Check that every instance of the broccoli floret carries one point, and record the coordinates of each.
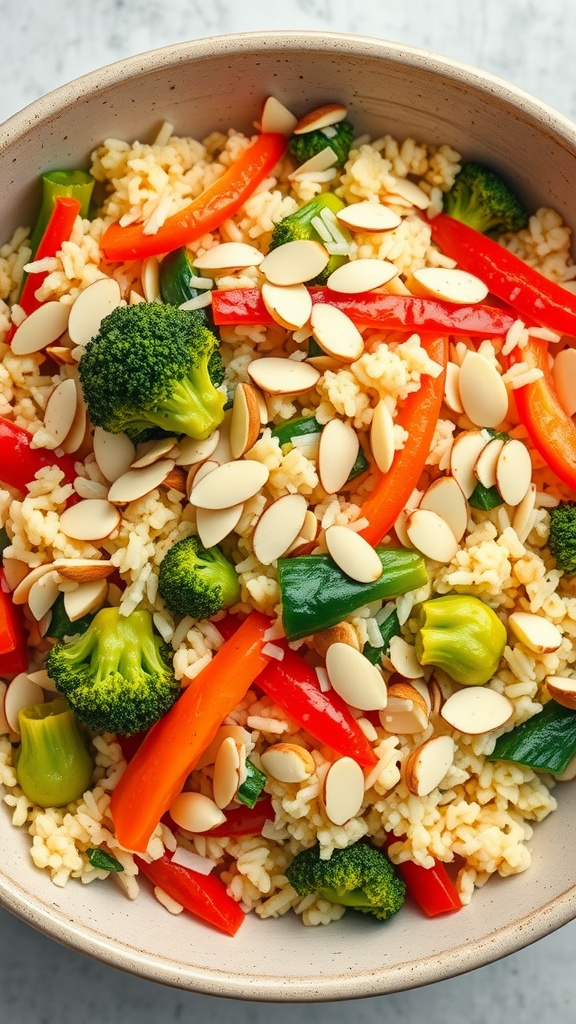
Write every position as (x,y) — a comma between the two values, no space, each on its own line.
(54,764)
(117,676)
(338,137)
(198,581)
(153,369)
(482,200)
(300,225)
(562,539)
(361,877)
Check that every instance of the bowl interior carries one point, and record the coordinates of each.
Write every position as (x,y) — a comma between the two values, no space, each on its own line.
(214,84)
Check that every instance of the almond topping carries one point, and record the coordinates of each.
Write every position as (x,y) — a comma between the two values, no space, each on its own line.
(482,391)
(485,465)
(321,117)
(445,497)
(353,554)
(92,305)
(412,193)
(240,735)
(361,276)
(354,678)
(227,766)
(195,812)
(22,589)
(343,791)
(456,286)
(151,451)
(91,520)
(431,535)
(335,332)
(215,524)
(60,354)
(277,376)
(136,483)
(426,766)
(452,388)
(75,436)
(337,453)
(319,163)
(229,256)
(230,484)
(175,480)
(295,262)
(42,594)
(190,451)
(288,762)
(41,328)
(476,709)
(114,453)
(536,632)
(523,520)
(404,660)
(382,437)
(406,712)
(278,527)
(277,118)
(87,597)
(150,278)
(83,570)
(60,412)
(513,472)
(562,690)
(290,306)
(463,456)
(342,633)
(20,693)
(245,420)
(370,217)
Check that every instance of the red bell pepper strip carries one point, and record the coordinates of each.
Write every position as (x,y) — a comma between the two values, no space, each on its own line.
(294,687)
(550,429)
(535,298)
(373,309)
(431,888)
(244,821)
(206,213)
(58,230)
(204,896)
(19,463)
(418,416)
(12,630)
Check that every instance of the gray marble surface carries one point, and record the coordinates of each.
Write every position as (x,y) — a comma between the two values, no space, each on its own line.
(527,42)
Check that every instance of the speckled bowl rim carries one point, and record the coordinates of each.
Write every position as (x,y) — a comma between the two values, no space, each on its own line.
(44,917)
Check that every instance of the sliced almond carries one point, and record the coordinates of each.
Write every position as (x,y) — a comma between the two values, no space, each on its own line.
(229,256)
(437,697)
(60,412)
(476,709)
(426,766)
(114,453)
(321,117)
(342,632)
(240,735)
(295,262)
(15,572)
(245,420)
(336,333)
(361,276)
(288,762)
(42,679)
(198,472)
(42,594)
(451,285)
(343,791)
(22,589)
(226,777)
(60,354)
(562,690)
(190,451)
(406,713)
(20,693)
(277,118)
(431,535)
(564,376)
(307,536)
(152,451)
(382,437)
(290,306)
(513,472)
(353,555)
(43,327)
(86,598)
(196,812)
(4,727)
(485,465)
(214,525)
(317,164)
(411,192)
(422,687)
(400,523)
(337,452)
(92,305)
(463,457)
(522,519)
(175,480)
(229,484)
(452,388)
(83,570)
(445,497)
(136,483)
(404,660)
(277,376)
(482,391)
(278,527)
(150,278)
(91,520)
(368,216)
(354,678)
(75,436)
(262,407)
(536,632)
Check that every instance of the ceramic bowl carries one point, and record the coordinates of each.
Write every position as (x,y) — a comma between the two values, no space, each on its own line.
(212,84)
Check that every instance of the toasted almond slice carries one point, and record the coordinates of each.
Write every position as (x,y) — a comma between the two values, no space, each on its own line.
(277,118)
(336,333)
(60,411)
(452,388)
(4,727)
(114,453)
(341,633)
(368,216)
(422,687)
(513,472)
(60,354)
(277,376)
(245,420)
(240,735)
(290,306)
(198,472)
(152,451)
(175,480)
(445,497)
(452,285)
(75,436)
(564,376)
(354,678)
(353,555)
(361,276)
(536,632)
(226,777)
(92,305)
(15,572)
(83,570)
(406,713)
(222,452)
(230,484)
(262,407)
(404,660)
(137,482)
(20,693)
(42,594)
(431,535)
(382,437)
(196,812)
(91,519)
(86,598)
(278,527)
(343,791)
(562,690)
(295,262)
(522,520)
(288,762)
(426,766)
(22,589)
(150,278)
(190,451)
(320,162)
(485,465)
(41,678)
(482,391)
(321,117)
(476,709)
(463,456)
(337,453)
(43,327)
(437,697)
(229,256)
(214,525)
(411,192)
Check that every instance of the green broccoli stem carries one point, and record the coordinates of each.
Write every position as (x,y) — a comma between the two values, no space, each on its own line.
(462,635)
(54,765)
(193,408)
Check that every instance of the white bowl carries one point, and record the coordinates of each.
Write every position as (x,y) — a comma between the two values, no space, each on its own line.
(214,83)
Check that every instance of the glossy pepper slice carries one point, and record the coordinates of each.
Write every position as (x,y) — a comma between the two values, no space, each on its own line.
(219,201)
(431,888)
(204,896)
(19,462)
(12,630)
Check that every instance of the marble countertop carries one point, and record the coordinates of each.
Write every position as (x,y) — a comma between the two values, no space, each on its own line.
(531,44)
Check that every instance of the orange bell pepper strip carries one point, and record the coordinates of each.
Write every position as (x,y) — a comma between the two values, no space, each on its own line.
(206,213)
(157,771)
(418,416)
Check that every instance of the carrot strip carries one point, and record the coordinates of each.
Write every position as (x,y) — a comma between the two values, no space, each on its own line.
(171,748)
